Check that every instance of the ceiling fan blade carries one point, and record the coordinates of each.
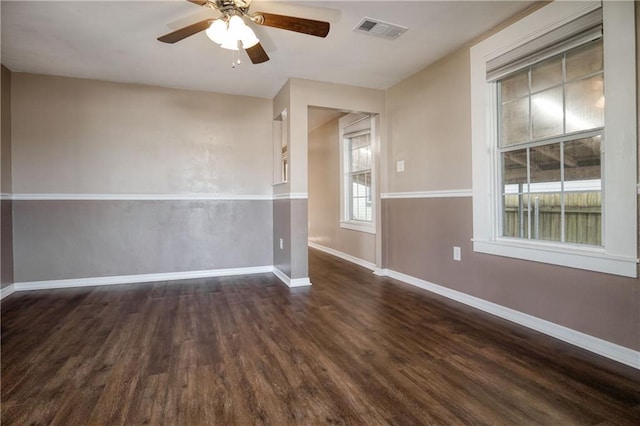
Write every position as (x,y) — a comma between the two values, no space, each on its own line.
(291,23)
(257,54)
(185,32)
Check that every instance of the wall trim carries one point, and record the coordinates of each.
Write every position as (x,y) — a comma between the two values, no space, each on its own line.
(599,346)
(291,196)
(7,291)
(344,256)
(140,197)
(5,196)
(138,278)
(295,282)
(451,193)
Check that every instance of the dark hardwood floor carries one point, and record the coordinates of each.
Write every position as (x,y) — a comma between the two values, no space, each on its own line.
(352,349)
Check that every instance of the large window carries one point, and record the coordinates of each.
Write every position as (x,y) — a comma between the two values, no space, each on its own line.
(550,144)
(554,166)
(357,172)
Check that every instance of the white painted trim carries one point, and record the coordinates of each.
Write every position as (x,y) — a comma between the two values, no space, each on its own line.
(140,278)
(7,291)
(593,344)
(357,226)
(5,196)
(451,193)
(291,196)
(344,256)
(141,197)
(300,282)
(590,259)
(380,272)
(296,282)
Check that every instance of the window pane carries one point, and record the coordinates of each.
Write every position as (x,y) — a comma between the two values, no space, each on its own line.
(585,104)
(515,86)
(514,167)
(582,168)
(361,205)
(360,153)
(545,167)
(515,216)
(583,217)
(584,60)
(515,121)
(546,216)
(547,113)
(546,74)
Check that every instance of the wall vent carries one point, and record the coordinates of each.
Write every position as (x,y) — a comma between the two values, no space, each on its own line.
(377,28)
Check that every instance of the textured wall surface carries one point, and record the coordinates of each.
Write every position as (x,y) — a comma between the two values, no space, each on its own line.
(85,136)
(78,239)
(282,230)
(74,137)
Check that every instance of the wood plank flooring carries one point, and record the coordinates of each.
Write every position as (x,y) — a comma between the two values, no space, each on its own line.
(352,349)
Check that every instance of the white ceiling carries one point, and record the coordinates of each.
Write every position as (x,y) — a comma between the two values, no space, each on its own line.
(116,41)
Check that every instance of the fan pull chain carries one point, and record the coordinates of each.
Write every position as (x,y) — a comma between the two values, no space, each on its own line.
(235,58)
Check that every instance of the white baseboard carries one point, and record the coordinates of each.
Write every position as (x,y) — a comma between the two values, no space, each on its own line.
(8,290)
(345,256)
(296,282)
(132,279)
(609,350)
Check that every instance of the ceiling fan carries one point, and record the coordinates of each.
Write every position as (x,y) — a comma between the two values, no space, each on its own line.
(230,29)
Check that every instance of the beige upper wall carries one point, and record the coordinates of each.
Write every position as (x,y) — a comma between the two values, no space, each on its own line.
(5,123)
(86,136)
(429,116)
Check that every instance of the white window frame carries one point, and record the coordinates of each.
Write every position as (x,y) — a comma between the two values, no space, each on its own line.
(619,175)
(345,203)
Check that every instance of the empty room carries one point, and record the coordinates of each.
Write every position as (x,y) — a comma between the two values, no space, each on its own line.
(236,212)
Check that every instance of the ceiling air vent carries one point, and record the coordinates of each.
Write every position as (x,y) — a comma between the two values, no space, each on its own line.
(379,28)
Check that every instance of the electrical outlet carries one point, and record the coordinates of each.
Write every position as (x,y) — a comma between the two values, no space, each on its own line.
(400,166)
(457,255)
(281,244)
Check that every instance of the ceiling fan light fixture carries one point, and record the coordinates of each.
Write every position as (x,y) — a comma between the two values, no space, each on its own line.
(217,32)
(236,27)
(249,38)
(230,43)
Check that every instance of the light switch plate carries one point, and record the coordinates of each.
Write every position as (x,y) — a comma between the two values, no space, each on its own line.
(400,166)
(457,255)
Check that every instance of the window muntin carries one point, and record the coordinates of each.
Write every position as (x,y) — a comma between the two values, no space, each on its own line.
(550,142)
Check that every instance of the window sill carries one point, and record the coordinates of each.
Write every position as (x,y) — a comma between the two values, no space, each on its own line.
(587,258)
(358,226)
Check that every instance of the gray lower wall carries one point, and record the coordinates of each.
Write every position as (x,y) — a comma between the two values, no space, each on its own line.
(6,244)
(290,223)
(299,239)
(419,235)
(80,239)
(282,230)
